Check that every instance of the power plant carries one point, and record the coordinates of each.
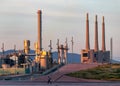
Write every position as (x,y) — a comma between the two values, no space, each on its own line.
(95,55)
(40,60)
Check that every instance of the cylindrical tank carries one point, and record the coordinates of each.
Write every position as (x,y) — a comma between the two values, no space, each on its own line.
(43,60)
(43,63)
(36,48)
(26,46)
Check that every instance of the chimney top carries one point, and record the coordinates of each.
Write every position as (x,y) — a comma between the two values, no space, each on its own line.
(39,11)
(87,15)
(103,18)
(95,17)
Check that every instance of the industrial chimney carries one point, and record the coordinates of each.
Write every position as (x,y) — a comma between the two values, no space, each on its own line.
(87,33)
(103,35)
(96,48)
(39,30)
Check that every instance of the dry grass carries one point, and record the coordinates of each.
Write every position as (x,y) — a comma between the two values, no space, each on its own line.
(102,72)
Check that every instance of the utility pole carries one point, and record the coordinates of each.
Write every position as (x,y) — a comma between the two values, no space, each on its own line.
(16,60)
(2,53)
(111,49)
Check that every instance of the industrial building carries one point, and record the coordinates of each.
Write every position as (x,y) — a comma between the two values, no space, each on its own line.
(62,52)
(43,59)
(89,55)
(37,61)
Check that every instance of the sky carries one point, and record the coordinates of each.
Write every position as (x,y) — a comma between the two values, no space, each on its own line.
(61,19)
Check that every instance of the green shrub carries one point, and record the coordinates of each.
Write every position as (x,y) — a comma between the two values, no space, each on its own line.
(117,70)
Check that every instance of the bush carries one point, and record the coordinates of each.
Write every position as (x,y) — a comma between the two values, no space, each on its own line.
(104,72)
(117,70)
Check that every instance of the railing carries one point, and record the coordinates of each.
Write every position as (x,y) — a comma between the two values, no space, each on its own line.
(52,69)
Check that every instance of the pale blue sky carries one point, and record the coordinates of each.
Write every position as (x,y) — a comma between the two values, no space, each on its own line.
(61,19)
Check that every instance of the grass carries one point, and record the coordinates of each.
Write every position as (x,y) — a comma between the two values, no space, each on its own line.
(11,71)
(102,72)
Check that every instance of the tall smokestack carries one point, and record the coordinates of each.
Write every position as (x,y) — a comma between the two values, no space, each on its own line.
(96,48)
(87,33)
(103,35)
(39,30)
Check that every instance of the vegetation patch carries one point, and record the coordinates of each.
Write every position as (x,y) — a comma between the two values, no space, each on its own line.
(102,72)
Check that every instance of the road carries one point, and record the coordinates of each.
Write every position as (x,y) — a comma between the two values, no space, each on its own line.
(36,83)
